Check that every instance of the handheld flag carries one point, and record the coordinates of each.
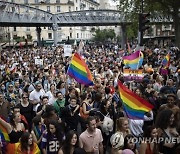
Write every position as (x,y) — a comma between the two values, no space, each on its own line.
(78,70)
(4,134)
(134,61)
(166,61)
(134,106)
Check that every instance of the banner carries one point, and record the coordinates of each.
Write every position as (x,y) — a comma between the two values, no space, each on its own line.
(39,61)
(130,75)
(67,50)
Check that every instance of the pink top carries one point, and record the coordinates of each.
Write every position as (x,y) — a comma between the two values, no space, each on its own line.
(90,142)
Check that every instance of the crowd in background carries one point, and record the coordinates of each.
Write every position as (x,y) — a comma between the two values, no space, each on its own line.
(46,111)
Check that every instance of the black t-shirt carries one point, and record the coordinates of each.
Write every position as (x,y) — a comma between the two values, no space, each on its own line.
(27,112)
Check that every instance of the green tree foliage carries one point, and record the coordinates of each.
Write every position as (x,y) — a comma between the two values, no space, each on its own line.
(104,35)
(131,8)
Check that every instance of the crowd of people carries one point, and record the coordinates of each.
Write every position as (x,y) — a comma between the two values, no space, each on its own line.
(45,111)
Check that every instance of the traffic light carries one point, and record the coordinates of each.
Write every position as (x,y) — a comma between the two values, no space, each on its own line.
(143,21)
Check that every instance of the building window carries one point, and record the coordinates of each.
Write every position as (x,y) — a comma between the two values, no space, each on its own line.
(27,28)
(36,1)
(47,1)
(70,35)
(76,8)
(25,1)
(49,28)
(69,8)
(57,1)
(48,9)
(14,36)
(14,29)
(12,1)
(49,35)
(58,9)
(77,35)
(76,1)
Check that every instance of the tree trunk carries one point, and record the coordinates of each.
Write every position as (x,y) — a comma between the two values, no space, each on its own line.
(176,19)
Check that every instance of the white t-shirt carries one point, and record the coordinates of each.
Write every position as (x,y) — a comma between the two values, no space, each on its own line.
(35,96)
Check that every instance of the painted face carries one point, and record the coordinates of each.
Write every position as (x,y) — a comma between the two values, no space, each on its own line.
(154,133)
(52,128)
(30,140)
(74,139)
(92,125)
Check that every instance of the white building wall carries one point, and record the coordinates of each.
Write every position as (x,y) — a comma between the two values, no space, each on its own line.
(54,7)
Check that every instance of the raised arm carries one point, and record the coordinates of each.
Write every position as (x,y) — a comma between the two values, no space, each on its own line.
(6,125)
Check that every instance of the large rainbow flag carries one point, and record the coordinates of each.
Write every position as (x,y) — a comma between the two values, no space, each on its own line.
(134,106)
(134,61)
(166,61)
(78,70)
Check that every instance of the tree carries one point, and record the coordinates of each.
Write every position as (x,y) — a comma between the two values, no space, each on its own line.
(104,35)
(132,8)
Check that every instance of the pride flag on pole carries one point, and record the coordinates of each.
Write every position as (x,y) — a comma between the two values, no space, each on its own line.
(166,61)
(79,70)
(134,61)
(134,106)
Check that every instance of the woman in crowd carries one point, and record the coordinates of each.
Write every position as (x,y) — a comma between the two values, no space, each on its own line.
(51,94)
(148,147)
(129,144)
(15,128)
(52,139)
(70,143)
(26,109)
(25,146)
(167,129)
(38,129)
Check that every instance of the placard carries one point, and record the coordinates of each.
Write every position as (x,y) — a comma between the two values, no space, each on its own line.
(39,61)
(130,75)
(67,50)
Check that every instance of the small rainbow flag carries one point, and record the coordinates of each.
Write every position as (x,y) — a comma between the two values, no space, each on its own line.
(166,61)
(134,61)
(78,70)
(134,106)
(3,133)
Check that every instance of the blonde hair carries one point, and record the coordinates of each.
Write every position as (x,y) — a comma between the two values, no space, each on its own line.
(120,122)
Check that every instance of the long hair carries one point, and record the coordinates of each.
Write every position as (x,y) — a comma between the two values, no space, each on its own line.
(12,119)
(58,132)
(67,143)
(119,123)
(163,119)
(24,142)
(126,142)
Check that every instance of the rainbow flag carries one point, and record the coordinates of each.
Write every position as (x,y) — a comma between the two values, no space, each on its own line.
(166,61)
(3,133)
(78,70)
(16,149)
(134,106)
(134,61)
